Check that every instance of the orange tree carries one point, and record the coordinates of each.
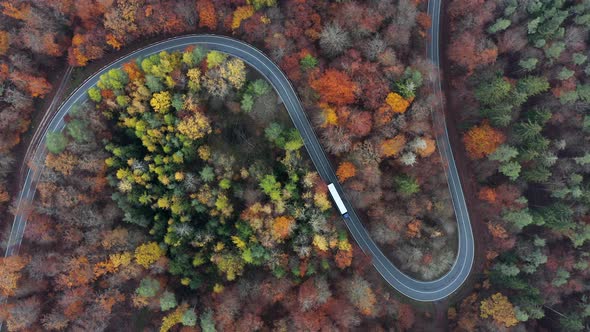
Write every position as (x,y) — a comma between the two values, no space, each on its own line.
(482,140)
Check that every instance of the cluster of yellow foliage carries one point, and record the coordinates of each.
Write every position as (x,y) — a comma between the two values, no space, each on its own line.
(112,264)
(195,126)
(234,71)
(173,318)
(148,253)
(499,307)
(321,201)
(391,147)
(240,14)
(161,101)
(330,116)
(204,152)
(397,103)
(320,242)
(194,79)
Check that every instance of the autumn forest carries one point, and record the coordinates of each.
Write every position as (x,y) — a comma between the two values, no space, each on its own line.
(177,193)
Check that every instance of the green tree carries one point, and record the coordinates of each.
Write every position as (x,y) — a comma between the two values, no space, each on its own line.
(493,92)
(148,287)
(579,58)
(511,169)
(168,301)
(501,24)
(189,318)
(528,63)
(532,85)
(114,79)
(207,322)
(565,74)
(94,94)
(79,131)
(247,102)
(520,218)
(504,153)
(56,142)
(406,185)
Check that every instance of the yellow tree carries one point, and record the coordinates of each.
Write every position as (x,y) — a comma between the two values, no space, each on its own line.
(499,308)
(161,101)
(240,14)
(195,126)
(234,72)
(194,79)
(397,103)
(148,253)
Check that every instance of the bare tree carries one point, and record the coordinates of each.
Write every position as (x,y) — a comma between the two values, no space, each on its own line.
(334,40)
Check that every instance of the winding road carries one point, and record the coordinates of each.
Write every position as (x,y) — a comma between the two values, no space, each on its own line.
(418,290)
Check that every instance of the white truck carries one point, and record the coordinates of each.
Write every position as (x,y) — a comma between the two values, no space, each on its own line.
(338,200)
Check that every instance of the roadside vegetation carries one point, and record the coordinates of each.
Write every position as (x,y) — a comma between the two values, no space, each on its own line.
(520,84)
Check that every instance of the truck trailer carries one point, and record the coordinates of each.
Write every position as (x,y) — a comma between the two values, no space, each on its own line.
(338,200)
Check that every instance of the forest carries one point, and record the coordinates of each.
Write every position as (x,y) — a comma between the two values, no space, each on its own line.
(520,90)
(180,197)
(180,193)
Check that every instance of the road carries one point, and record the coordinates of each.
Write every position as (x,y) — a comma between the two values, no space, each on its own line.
(418,290)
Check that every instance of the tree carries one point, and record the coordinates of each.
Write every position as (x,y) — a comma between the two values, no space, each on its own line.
(392,147)
(335,88)
(482,140)
(167,301)
(207,15)
(161,101)
(499,308)
(463,50)
(259,4)
(35,86)
(189,318)
(10,268)
(23,314)
(397,103)
(148,253)
(308,62)
(511,169)
(148,287)
(207,323)
(345,171)
(64,162)
(195,127)
(282,227)
(494,91)
(56,142)
(406,185)
(241,13)
(78,130)
(4,42)
(360,295)
(504,153)
(334,40)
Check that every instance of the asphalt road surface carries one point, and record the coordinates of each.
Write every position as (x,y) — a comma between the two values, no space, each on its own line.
(415,289)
